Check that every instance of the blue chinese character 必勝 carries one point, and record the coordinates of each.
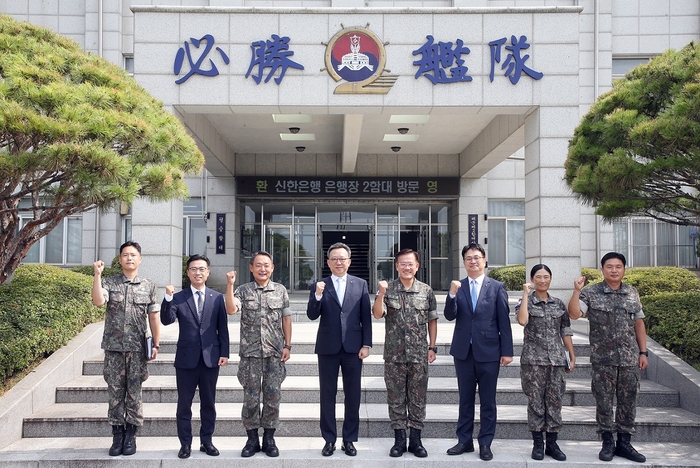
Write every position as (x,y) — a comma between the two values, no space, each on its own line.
(272,54)
(196,66)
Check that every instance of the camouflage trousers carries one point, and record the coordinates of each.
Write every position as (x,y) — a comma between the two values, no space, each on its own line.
(261,376)
(544,387)
(124,373)
(406,387)
(622,383)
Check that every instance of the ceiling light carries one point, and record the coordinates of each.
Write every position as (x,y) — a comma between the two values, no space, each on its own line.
(397,137)
(291,118)
(298,136)
(294,130)
(402,130)
(409,119)
(301,148)
(395,149)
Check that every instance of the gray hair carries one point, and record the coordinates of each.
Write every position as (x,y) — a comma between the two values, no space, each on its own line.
(338,245)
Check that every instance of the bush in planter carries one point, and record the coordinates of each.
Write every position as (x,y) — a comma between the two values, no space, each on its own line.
(41,309)
(512,276)
(672,319)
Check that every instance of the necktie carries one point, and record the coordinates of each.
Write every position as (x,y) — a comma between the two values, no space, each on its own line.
(200,304)
(474,295)
(339,290)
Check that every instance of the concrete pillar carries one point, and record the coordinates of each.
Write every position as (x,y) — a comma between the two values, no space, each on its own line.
(220,199)
(473,199)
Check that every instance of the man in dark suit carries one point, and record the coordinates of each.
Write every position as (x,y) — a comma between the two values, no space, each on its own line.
(482,340)
(202,347)
(343,341)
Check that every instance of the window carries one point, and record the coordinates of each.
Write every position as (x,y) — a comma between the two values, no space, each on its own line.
(622,65)
(62,246)
(194,227)
(648,242)
(129,64)
(506,232)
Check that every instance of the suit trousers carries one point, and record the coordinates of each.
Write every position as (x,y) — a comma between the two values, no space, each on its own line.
(471,373)
(328,366)
(187,382)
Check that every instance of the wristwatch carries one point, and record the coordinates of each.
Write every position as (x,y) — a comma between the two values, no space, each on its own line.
(288,346)
(646,353)
(433,349)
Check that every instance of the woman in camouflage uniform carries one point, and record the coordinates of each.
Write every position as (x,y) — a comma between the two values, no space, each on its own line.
(543,362)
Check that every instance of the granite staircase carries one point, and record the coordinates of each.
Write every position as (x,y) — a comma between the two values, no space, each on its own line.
(74,430)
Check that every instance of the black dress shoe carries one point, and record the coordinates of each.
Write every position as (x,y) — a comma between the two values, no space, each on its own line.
(185,452)
(349,449)
(209,449)
(461,448)
(328,449)
(485,452)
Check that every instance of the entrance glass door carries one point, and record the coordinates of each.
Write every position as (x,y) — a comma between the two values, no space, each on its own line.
(277,243)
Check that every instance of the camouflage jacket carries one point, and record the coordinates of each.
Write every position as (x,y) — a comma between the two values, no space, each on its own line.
(128,305)
(612,314)
(261,312)
(407,313)
(548,322)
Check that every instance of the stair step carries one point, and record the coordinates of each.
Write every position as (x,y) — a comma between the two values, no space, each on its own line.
(69,452)
(301,420)
(304,389)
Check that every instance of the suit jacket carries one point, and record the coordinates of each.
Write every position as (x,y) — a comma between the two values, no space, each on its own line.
(349,326)
(209,338)
(487,331)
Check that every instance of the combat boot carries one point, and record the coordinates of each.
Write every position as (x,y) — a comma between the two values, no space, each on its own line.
(537,446)
(553,449)
(608,450)
(129,446)
(399,443)
(415,446)
(268,443)
(624,449)
(117,441)
(252,445)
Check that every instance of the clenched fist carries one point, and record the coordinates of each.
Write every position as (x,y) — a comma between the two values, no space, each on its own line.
(454,287)
(382,287)
(320,286)
(170,290)
(231,277)
(99,267)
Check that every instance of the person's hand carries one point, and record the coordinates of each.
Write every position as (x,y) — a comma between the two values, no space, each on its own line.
(643,362)
(231,277)
(382,287)
(527,287)
(170,290)
(454,287)
(154,354)
(364,352)
(320,286)
(98,267)
(286,354)
(572,364)
(223,361)
(431,356)
(579,283)
(505,360)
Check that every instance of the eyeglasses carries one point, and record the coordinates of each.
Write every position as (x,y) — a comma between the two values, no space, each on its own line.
(195,270)
(339,259)
(407,265)
(475,258)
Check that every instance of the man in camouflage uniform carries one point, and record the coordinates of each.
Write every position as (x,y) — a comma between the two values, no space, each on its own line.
(130,299)
(266,343)
(408,306)
(618,352)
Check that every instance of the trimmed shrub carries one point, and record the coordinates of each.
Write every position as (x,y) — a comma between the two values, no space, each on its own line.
(41,309)
(512,276)
(654,280)
(592,275)
(672,319)
(113,269)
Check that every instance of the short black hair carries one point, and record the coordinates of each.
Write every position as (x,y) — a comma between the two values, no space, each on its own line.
(338,245)
(611,255)
(407,252)
(260,252)
(130,244)
(473,246)
(538,267)
(196,257)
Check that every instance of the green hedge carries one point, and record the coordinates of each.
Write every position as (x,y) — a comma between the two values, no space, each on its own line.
(512,276)
(41,309)
(673,320)
(113,269)
(655,280)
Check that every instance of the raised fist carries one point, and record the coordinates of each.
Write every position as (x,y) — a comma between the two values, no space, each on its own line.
(454,286)
(320,286)
(99,267)
(169,290)
(231,277)
(382,287)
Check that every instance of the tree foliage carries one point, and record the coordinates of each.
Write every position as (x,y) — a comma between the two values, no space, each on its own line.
(637,151)
(76,132)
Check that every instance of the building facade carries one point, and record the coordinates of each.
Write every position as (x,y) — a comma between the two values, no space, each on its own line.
(382,124)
